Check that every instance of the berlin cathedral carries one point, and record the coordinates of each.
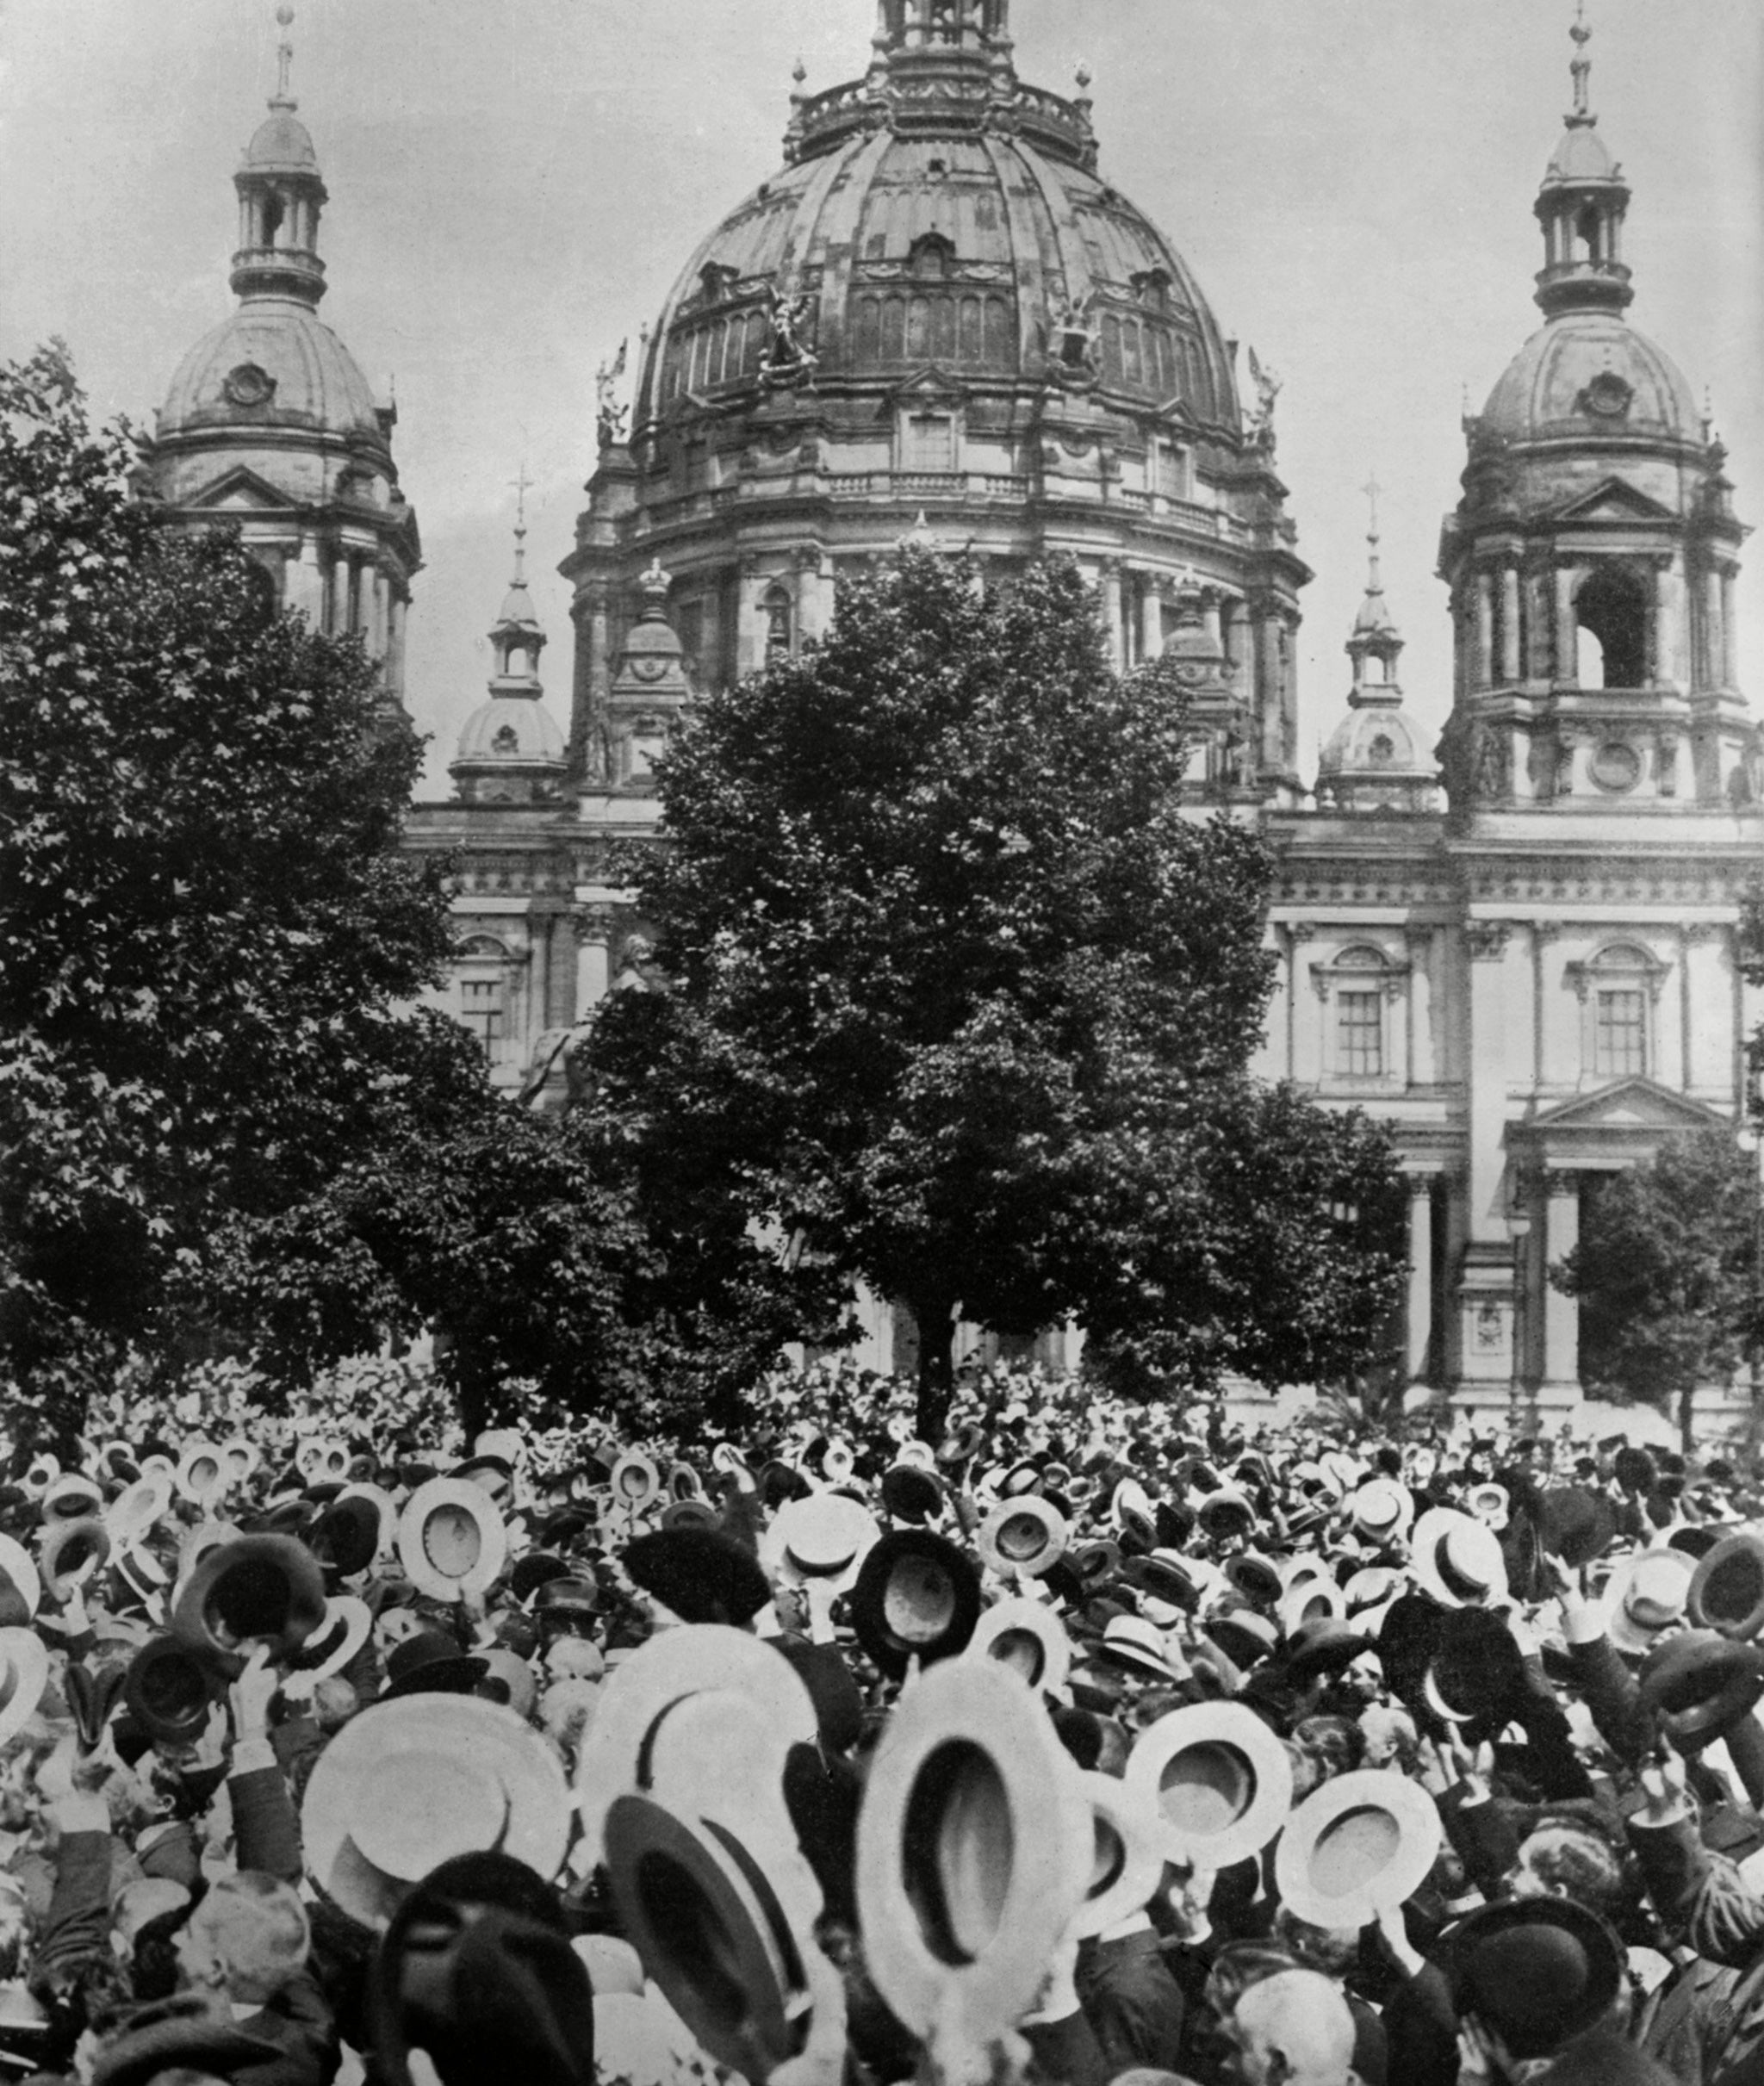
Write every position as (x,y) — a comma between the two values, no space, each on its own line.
(938,320)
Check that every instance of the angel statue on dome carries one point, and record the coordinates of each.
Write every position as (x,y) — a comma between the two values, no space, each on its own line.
(608,411)
(1267,380)
(789,358)
(1075,336)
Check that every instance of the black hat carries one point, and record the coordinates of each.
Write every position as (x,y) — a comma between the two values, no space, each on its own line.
(476,1969)
(346,1539)
(1164,1579)
(1324,1645)
(170,1691)
(1173,1525)
(182,2034)
(534,1569)
(910,1493)
(1699,1684)
(429,1662)
(253,1588)
(1727,1592)
(702,1574)
(916,1595)
(1407,1639)
(1476,1675)
(1575,1524)
(1537,1971)
(961,1443)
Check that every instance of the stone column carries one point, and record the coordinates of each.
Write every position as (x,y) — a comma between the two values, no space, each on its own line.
(1510,669)
(1713,650)
(1113,627)
(1729,664)
(750,638)
(374,607)
(1566,655)
(1423,1069)
(1420,1295)
(398,606)
(1651,630)
(1209,620)
(1672,664)
(305,581)
(1561,1314)
(1151,617)
(1485,629)
(1538,610)
(594,961)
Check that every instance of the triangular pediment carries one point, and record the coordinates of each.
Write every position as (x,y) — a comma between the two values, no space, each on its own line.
(929,385)
(1178,409)
(1629,1104)
(242,491)
(1614,500)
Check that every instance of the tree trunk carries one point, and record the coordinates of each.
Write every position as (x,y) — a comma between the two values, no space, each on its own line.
(1687,1415)
(936,1382)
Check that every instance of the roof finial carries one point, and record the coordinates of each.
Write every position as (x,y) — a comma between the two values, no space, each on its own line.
(284,59)
(1581,68)
(1372,489)
(520,485)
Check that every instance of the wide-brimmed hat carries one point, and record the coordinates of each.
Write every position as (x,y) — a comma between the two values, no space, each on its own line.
(323,1459)
(1373,1587)
(1575,1524)
(334,1645)
(92,1693)
(1360,1845)
(1457,1559)
(204,1472)
(452,1540)
(1325,1645)
(917,1596)
(429,1662)
(408,1784)
(1308,1601)
(24,1675)
(346,1537)
(1255,1577)
(1022,1539)
(1127,1853)
(1647,1593)
(635,1483)
(73,1496)
(255,1589)
(1634,1469)
(1490,1503)
(1027,1638)
(974,1845)
(182,2034)
(1137,1642)
(1727,1589)
(823,1535)
(71,1551)
(1537,1971)
(1381,1509)
(170,1690)
(1244,1634)
(668,1667)
(1220,1780)
(1225,1512)
(1699,1684)
(138,1506)
(1164,1577)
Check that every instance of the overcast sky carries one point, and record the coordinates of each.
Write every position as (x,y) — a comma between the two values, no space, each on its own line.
(515,182)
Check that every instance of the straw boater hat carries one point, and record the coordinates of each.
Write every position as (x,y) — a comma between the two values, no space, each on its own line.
(1127,1861)
(1220,1780)
(1646,1595)
(1022,1539)
(452,1540)
(1224,1513)
(1457,1559)
(669,1666)
(71,1552)
(1135,1642)
(73,1497)
(635,1482)
(1490,1504)
(138,1506)
(1026,1638)
(1358,1846)
(243,1457)
(408,1784)
(204,1472)
(824,1536)
(975,1842)
(1310,1600)
(1381,1509)
(24,1675)
(335,1643)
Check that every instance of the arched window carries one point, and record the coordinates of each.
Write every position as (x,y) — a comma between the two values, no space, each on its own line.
(1618,989)
(1611,609)
(780,610)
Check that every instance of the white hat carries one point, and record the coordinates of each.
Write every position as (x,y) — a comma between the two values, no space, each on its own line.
(1360,1845)
(1022,1538)
(322,1459)
(411,1781)
(1646,1595)
(1136,1640)
(825,1536)
(1381,1509)
(24,1675)
(73,1497)
(204,1472)
(1220,1781)
(25,1593)
(138,1506)
(1458,1560)
(1128,1863)
(452,1541)
(1026,1638)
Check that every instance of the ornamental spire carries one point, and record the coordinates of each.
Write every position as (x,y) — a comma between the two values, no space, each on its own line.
(1372,489)
(520,484)
(284,59)
(1580,69)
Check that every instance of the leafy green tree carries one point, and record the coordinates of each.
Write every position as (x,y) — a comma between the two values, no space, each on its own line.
(1665,1271)
(962,997)
(208,935)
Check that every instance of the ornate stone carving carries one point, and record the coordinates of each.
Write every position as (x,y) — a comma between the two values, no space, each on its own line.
(1487,939)
(595,923)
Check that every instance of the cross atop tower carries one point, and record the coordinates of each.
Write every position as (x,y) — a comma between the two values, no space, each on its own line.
(520,483)
(1581,67)
(284,60)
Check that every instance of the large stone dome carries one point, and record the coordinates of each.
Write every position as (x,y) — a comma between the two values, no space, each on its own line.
(272,363)
(946,244)
(1590,372)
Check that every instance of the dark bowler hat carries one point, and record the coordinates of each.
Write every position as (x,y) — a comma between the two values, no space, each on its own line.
(1699,1686)
(916,1596)
(1727,1591)
(345,1537)
(1476,1675)
(1537,1971)
(700,1573)
(266,1589)
(170,1691)
(431,1663)
(1575,1524)
(910,1493)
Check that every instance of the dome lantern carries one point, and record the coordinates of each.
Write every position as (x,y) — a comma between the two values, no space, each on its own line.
(281,193)
(1581,206)
(511,750)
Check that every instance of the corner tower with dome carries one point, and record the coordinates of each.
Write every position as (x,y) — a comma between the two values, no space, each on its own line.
(270,423)
(1538,981)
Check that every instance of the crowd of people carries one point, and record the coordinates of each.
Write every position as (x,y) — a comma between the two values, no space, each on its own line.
(1086,1743)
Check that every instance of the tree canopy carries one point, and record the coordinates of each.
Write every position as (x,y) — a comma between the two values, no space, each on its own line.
(209,935)
(1665,1272)
(962,996)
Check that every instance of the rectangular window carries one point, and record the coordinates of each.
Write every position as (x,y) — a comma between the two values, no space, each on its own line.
(1360,1035)
(1620,1034)
(481,1009)
(930,443)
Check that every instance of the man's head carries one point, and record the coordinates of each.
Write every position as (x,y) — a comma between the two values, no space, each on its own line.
(249,1937)
(1568,1857)
(1291,2029)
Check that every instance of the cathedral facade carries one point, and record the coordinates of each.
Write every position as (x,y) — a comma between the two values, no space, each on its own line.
(938,319)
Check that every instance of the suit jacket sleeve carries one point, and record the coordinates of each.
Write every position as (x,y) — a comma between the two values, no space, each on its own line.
(266,1826)
(1699,1893)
